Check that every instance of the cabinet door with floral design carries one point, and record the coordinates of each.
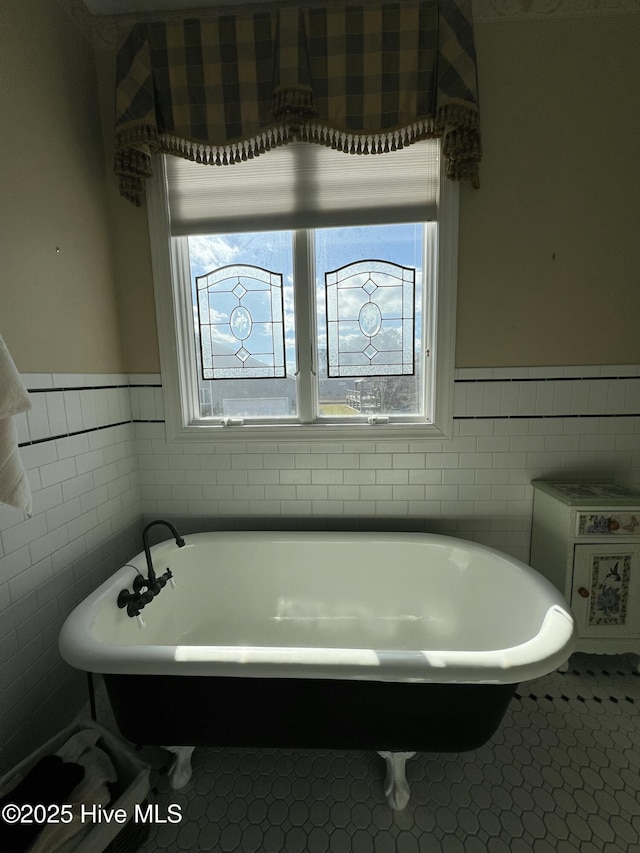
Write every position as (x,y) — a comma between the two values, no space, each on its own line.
(605,595)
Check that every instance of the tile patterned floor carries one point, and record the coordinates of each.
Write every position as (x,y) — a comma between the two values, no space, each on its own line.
(561,774)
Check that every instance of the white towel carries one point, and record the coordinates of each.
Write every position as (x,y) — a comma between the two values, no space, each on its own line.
(14,398)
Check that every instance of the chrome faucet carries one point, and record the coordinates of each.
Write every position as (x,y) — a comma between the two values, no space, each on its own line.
(146,589)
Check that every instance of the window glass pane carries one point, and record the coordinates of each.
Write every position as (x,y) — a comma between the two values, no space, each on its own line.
(382,323)
(236,284)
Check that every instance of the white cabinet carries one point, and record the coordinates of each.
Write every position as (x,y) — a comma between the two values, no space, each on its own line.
(586,540)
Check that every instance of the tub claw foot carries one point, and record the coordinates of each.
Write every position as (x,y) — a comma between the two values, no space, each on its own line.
(396,787)
(181,768)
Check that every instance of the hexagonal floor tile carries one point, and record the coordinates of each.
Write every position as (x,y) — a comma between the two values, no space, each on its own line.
(562,773)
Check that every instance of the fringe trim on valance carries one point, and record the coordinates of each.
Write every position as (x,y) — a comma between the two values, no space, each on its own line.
(373,143)
(293,104)
(457,124)
(227,155)
(132,164)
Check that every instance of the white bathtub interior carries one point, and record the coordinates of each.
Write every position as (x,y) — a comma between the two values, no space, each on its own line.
(272,592)
(387,605)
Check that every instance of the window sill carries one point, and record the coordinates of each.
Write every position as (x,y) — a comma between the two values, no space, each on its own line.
(309,432)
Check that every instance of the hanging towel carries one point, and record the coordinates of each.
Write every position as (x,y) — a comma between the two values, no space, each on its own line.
(14,398)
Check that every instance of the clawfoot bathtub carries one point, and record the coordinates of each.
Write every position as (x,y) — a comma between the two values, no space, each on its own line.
(392,642)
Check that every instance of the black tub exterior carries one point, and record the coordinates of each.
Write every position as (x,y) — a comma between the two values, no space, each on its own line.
(306,713)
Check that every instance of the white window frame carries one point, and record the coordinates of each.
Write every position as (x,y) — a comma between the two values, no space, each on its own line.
(176,340)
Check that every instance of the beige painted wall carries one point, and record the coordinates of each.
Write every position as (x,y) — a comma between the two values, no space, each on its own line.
(549,257)
(58,309)
(131,256)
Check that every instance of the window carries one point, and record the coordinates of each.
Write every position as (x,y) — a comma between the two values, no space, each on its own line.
(309,294)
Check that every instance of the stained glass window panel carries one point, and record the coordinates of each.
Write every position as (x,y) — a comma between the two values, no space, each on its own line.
(370,315)
(241,323)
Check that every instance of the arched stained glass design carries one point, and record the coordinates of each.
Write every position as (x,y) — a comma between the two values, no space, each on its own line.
(241,323)
(370,319)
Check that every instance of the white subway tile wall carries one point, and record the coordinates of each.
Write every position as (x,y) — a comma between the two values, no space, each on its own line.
(78,446)
(510,427)
(99,462)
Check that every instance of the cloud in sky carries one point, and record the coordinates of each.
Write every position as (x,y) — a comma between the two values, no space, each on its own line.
(207,253)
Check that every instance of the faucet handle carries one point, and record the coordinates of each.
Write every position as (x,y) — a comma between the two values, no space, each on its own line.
(168,576)
(133,608)
(140,582)
(124,597)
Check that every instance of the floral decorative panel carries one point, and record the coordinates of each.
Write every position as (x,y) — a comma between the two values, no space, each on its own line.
(609,589)
(608,524)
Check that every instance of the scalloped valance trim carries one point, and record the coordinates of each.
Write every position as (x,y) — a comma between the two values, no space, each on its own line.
(456,124)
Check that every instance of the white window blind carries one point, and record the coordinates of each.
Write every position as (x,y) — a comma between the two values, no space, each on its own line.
(303,185)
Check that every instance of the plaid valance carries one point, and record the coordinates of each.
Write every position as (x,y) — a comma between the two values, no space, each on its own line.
(362,78)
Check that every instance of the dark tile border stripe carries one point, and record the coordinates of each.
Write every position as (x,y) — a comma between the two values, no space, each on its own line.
(539,417)
(89,429)
(578,698)
(547,379)
(86,388)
